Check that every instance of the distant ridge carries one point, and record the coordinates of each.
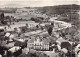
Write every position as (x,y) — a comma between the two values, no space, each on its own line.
(59,9)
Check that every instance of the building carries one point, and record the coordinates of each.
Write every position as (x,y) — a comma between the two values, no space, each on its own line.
(31,24)
(38,44)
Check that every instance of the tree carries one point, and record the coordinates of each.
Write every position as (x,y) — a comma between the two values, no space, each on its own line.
(50,30)
(33,19)
(2,18)
(2,15)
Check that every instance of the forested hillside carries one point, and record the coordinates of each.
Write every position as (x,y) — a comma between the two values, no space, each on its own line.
(60,9)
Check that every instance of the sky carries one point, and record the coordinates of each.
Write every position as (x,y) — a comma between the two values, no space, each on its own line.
(34,3)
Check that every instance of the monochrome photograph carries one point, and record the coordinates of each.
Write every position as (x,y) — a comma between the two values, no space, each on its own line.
(39,28)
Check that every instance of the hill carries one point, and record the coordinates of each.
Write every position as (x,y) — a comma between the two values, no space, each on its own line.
(59,9)
(8,10)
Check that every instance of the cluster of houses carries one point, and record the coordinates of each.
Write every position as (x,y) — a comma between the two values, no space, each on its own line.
(36,43)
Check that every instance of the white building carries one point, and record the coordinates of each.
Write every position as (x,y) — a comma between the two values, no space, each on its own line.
(38,44)
(31,24)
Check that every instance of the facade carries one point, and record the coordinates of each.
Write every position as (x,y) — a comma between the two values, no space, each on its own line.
(31,25)
(38,44)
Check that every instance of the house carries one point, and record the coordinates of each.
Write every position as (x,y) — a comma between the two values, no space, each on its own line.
(31,24)
(14,49)
(30,43)
(38,44)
